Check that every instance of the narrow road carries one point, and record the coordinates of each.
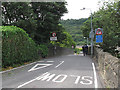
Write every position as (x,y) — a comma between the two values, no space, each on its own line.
(68,71)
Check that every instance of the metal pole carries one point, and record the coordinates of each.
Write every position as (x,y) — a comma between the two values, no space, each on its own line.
(87,41)
(91,37)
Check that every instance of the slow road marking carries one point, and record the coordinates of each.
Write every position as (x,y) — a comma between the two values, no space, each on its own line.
(83,80)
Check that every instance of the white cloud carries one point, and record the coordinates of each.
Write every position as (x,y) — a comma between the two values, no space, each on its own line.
(74,7)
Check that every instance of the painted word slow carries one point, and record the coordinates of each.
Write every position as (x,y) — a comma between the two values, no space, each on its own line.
(86,80)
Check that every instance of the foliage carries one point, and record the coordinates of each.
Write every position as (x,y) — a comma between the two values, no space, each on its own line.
(65,40)
(73,27)
(77,50)
(118,56)
(43,49)
(18,47)
(38,19)
(19,14)
(48,15)
(107,18)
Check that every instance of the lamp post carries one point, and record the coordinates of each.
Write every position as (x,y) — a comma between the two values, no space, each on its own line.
(91,33)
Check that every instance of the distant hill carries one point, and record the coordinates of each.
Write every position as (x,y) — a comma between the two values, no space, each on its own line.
(72,26)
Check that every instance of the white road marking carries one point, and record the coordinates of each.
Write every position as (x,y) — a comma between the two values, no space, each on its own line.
(95,76)
(29,81)
(43,66)
(41,61)
(59,81)
(77,79)
(46,77)
(86,80)
(26,83)
(23,66)
(59,64)
(50,61)
(18,67)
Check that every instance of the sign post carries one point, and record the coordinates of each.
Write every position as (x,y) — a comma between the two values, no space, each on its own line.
(53,38)
(99,35)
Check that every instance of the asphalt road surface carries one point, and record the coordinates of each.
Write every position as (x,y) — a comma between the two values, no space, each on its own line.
(67,71)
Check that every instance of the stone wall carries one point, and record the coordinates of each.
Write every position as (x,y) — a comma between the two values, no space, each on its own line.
(108,66)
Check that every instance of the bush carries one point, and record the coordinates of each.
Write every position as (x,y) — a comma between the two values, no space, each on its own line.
(77,50)
(118,56)
(17,46)
(43,49)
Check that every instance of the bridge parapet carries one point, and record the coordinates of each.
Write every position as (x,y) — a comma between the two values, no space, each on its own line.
(109,67)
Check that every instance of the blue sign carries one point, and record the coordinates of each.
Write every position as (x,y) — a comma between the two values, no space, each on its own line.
(99,38)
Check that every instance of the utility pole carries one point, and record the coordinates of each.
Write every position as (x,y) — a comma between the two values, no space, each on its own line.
(91,33)
(92,36)
(87,41)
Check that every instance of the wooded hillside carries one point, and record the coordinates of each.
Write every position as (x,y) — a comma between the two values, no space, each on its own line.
(72,26)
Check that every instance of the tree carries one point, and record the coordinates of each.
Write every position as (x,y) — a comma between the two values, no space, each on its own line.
(48,16)
(38,19)
(106,18)
(19,14)
(73,27)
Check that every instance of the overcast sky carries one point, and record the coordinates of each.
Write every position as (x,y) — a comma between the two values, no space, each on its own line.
(74,7)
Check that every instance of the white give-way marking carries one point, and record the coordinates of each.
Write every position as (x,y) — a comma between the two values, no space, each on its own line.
(45,61)
(50,61)
(40,66)
(59,64)
(95,76)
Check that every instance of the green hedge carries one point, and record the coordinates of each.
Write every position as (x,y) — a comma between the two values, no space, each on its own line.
(43,50)
(17,46)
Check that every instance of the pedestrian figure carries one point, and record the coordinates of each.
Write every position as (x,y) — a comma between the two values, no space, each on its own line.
(75,52)
(85,50)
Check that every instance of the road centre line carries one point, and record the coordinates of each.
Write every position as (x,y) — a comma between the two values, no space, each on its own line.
(95,76)
(59,64)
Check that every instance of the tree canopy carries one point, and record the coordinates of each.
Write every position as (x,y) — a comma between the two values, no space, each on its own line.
(72,26)
(107,18)
(38,19)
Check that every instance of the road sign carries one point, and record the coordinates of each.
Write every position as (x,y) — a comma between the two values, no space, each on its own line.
(99,31)
(53,38)
(91,35)
(53,34)
(99,38)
